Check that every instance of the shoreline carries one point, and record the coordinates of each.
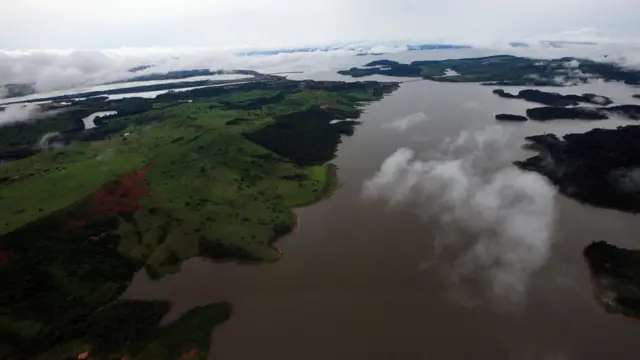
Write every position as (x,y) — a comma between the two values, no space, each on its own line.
(330,187)
(602,306)
(597,290)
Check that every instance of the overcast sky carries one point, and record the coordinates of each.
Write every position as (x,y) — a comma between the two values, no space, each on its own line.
(88,24)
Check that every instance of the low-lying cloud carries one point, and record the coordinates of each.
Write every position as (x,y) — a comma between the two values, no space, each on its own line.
(52,140)
(495,221)
(406,122)
(19,113)
(626,180)
(49,70)
(53,70)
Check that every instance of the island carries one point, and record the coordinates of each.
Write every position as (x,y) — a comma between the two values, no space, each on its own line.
(212,172)
(502,70)
(547,113)
(600,167)
(555,99)
(615,275)
(511,117)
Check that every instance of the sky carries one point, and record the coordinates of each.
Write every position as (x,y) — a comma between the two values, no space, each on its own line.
(82,24)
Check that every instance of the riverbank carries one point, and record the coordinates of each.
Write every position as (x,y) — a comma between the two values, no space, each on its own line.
(331,184)
(615,276)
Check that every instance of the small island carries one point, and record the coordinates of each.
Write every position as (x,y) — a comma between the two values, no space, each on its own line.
(547,113)
(212,172)
(600,167)
(510,117)
(615,275)
(555,99)
(502,70)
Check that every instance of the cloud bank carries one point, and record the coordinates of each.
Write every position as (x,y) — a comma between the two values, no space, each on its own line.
(496,221)
(49,70)
(18,113)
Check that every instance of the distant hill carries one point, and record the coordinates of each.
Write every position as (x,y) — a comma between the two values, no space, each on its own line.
(410,47)
(140,68)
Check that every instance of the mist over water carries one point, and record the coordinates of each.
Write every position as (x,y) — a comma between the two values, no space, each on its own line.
(404,123)
(23,112)
(499,222)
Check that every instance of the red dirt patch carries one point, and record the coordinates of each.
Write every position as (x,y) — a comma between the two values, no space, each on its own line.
(5,257)
(121,196)
(189,355)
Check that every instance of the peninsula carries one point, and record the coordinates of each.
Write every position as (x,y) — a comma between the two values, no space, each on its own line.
(211,172)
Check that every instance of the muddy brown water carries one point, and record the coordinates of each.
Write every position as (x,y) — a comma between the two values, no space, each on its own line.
(352,283)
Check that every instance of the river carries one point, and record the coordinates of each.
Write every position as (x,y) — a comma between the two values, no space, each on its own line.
(362,279)
(89,121)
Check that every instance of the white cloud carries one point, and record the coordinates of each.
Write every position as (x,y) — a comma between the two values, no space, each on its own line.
(573,64)
(18,113)
(55,69)
(403,123)
(50,70)
(496,220)
(627,180)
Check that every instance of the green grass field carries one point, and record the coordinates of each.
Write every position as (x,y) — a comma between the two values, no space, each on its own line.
(204,172)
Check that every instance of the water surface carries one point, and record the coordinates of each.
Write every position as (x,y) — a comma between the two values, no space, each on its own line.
(89,120)
(354,281)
